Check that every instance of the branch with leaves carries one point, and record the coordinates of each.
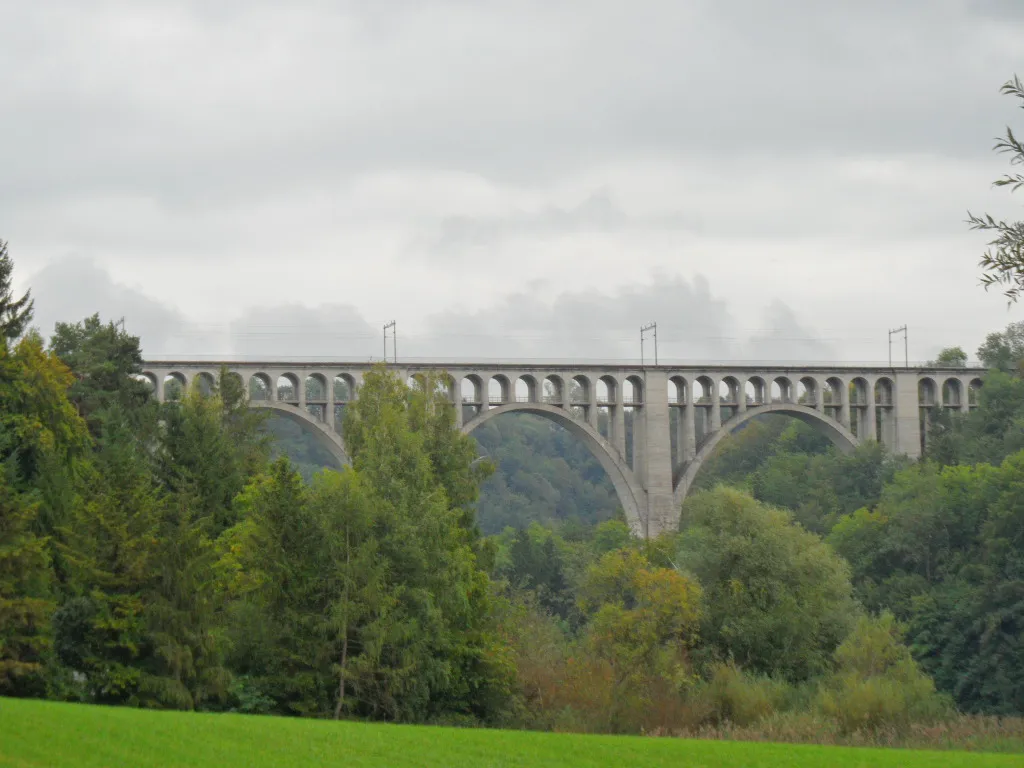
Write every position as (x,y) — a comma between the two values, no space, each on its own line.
(1003,263)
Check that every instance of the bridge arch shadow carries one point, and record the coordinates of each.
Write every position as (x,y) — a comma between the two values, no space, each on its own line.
(326,437)
(684,474)
(630,494)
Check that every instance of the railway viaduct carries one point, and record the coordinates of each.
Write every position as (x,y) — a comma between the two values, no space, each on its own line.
(651,427)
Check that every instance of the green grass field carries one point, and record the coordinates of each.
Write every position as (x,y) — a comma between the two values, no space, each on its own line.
(38,733)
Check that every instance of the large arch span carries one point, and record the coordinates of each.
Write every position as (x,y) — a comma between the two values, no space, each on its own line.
(324,435)
(629,493)
(840,436)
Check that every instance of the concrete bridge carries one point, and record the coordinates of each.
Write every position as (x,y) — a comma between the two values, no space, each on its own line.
(650,427)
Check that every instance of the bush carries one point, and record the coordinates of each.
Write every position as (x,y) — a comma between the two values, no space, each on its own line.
(877,683)
(733,696)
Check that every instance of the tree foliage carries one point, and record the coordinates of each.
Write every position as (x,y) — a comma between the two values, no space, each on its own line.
(15,314)
(1003,263)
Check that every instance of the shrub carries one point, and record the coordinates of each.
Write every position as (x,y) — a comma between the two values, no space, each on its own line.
(877,683)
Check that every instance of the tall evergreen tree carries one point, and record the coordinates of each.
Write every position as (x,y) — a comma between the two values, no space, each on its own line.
(15,314)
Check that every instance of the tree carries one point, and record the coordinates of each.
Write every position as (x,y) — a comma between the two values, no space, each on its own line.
(1004,351)
(951,357)
(778,599)
(15,314)
(1003,263)
(25,600)
(105,362)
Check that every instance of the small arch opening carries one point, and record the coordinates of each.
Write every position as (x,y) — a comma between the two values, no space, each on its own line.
(807,392)
(757,391)
(858,392)
(973,391)
(677,390)
(951,393)
(883,392)
(174,386)
(287,388)
(633,390)
(146,378)
(926,392)
(499,390)
(316,388)
(706,388)
(554,390)
(526,389)
(606,390)
(833,391)
(782,390)
(259,387)
(344,388)
(204,384)
(580,390)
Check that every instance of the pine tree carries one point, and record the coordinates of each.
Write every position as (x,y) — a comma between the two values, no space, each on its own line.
(15,314)
(25,604)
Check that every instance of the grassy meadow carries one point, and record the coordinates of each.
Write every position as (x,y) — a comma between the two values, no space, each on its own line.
(40,733)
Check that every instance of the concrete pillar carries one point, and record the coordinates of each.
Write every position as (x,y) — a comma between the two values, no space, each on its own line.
(689,443)
(662,515)
(328,399)
(159,388)
(592,402)
(741,394)
(617,421)
(965,395)
(819,395)
(273,386)
(871,419)
(300,390)
(844,400)
(716,407)
(907,415)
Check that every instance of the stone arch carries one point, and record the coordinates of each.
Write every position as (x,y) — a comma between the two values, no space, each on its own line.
(610,386)
(833,392)
(707,390)
(859,391)
(842,437)
(883,391)
(729,390)
(630,495)
(259,387)
(344,388)
(500,389)
(785,390)
(807,391)
(316,388)
(288,388)
(175,384)
(580,393)
(926,391)
(473,390)
(323,434)
(757,391)
(637,385)
(678,390)
(557,388)
(952,393)
(973,388)
(149,379)
(526,389)
(204,383)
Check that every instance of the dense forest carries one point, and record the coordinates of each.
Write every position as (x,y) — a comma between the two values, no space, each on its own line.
(173,556)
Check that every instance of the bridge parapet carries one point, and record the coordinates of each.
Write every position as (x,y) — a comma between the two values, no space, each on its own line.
(654,425)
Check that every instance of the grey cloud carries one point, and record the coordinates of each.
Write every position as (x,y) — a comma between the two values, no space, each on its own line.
(598,212)
(73,288)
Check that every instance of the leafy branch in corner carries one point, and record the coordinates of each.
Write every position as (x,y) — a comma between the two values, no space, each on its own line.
(1003,263)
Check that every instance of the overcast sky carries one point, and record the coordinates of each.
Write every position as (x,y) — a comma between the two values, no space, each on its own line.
(765,179)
